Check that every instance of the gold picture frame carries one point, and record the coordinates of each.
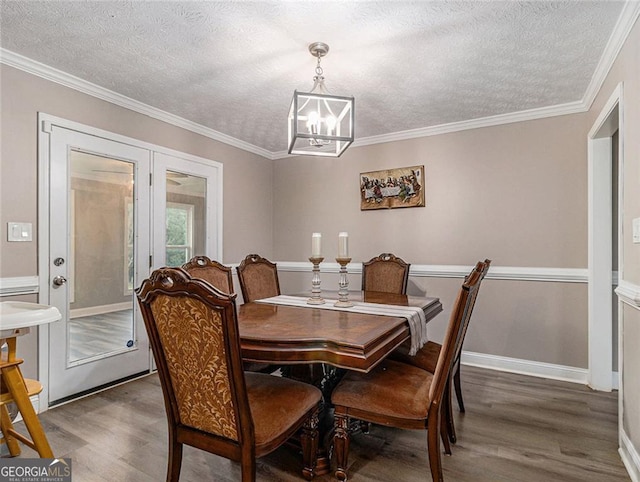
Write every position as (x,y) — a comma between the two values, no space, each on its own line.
(392,188)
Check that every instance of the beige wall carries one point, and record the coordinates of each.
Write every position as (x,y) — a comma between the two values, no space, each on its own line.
(515,193)
(626,69)
(247,177)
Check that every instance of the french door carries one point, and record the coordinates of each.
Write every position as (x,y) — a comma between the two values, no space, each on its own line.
(99,243)
(115,211)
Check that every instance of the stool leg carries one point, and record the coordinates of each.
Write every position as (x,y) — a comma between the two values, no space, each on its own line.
(15,384)
(6,425)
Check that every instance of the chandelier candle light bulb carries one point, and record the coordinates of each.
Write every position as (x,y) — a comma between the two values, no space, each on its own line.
(314,123)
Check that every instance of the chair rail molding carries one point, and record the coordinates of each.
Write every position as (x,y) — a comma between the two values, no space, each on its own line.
(21,285)
(629,293)
(558,275)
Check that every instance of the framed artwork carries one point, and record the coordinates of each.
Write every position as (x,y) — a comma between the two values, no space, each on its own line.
(392,188)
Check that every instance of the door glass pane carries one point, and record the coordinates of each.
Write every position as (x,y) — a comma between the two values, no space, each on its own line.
(101,257)
(185,217)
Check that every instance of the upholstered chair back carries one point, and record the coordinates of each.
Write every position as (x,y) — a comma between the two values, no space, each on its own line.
(258,278)
(386,273)
(194,338)
(217,274)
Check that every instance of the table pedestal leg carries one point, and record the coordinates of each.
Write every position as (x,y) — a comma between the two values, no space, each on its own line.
(325,377)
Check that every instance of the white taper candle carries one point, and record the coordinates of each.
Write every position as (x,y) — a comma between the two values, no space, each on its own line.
(343,245)
(316,240)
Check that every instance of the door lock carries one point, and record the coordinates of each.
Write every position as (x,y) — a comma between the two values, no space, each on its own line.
(59,280)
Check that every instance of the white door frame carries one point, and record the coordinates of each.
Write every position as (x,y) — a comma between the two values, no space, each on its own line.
(45,123)
(600,239)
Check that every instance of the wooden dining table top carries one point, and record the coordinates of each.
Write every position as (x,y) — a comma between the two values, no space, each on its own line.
(300,335)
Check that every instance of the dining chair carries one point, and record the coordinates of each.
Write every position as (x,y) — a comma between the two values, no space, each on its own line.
(211,403)
(211,271)
(386,273)
(258,278)
(427,358)
(221,277)
(400,395)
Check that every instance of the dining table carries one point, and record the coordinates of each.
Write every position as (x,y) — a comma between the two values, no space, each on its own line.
(344,338)
(317,343)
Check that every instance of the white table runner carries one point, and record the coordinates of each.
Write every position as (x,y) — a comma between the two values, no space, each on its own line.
(414,315)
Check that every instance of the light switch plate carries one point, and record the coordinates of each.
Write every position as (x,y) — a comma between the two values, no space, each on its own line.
(636,230)
(19,232)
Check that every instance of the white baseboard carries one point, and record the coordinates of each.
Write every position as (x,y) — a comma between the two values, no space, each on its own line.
(630,456)
(526,367)
(532,368)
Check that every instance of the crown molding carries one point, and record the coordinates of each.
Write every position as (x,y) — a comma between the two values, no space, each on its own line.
(59,77)
(628,16)
(576,107)
(490,121)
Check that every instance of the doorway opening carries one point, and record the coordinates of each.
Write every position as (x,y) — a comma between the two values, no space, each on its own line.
(605,255)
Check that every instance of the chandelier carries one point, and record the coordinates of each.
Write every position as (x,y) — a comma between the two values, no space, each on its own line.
(320,124)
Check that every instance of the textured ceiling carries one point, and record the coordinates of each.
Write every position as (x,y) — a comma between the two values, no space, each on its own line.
(233,66)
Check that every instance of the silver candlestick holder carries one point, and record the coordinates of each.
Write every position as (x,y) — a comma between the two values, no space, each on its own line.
(315,299)
(343,292)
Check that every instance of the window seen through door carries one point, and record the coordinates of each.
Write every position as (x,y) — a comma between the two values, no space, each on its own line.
(179,233)
(185,235)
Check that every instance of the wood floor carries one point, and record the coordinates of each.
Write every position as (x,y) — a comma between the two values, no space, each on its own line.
(516,428)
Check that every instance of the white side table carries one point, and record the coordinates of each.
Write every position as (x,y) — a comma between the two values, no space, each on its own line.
(16,319)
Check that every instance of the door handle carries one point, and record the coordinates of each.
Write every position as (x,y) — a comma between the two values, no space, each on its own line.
(59,280)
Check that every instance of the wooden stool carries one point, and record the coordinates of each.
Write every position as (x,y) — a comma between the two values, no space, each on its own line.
(15,388)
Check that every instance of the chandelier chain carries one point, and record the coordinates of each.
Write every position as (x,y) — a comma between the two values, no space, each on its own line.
(319,70)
